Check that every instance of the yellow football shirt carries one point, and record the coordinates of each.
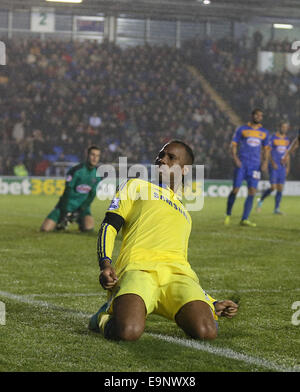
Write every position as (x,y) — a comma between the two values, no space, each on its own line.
(156,228)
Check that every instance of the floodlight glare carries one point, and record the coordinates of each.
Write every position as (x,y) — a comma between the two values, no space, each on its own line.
(283,26)
(65,1)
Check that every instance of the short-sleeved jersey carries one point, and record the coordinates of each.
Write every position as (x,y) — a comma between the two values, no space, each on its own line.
(279,145)
(80,188)
(251,138)
(156,227)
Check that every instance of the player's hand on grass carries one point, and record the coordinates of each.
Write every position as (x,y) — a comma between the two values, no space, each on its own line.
(108,277)
(63,222)
(73,216)
(226,308)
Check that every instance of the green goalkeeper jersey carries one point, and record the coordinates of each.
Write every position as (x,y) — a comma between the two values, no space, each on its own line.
(80,188)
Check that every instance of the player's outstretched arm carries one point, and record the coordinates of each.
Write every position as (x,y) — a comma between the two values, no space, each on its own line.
(288,165)
(294,145)
(226,308)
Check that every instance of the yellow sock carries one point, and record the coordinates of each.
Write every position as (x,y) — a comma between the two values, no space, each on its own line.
(102,320)
(212,300)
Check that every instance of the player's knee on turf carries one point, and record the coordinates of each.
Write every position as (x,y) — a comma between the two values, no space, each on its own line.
(86,224)
(86,229)
(207,331)
(48,225)
(128,331)
(196,319)
(204,330)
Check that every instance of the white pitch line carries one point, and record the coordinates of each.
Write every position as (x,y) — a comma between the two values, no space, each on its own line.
(205,347)
(57,295)
(237,291)
(225,352)
(42,304)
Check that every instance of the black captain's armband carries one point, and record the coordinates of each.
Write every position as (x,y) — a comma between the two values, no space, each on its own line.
(114,220)
(111,223)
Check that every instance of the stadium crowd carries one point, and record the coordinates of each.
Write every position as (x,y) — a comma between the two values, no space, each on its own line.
(59,97)
(231,67)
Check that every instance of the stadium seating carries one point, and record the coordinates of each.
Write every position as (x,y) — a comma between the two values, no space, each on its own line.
(143,96)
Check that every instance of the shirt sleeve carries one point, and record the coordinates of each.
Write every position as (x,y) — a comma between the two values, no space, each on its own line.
(237,136)
(106,241)
(124,199)
(116,215)
(69,185)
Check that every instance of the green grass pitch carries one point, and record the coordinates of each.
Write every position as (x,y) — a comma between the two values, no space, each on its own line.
(49,284)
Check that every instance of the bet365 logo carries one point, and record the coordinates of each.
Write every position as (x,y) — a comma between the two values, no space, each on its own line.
(296,315)
(2,53)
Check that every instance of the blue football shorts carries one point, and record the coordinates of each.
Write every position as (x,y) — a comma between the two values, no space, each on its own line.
(250,174)
(277,176)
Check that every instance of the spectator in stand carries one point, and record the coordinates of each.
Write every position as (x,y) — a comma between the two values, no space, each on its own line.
(20,169)
(140,99)
(95,120)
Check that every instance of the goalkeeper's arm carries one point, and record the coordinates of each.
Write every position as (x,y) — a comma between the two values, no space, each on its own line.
(105,245)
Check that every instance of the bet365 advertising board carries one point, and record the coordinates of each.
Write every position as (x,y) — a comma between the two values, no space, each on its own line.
(55,186)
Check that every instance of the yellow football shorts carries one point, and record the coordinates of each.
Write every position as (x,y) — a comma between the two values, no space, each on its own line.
(163,291)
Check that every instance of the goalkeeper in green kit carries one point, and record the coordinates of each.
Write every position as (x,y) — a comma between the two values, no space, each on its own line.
(80,191)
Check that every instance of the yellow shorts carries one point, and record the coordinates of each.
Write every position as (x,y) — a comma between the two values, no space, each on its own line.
(163,299)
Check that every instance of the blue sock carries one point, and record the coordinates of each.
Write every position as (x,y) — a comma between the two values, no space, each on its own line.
(266,193)
(230,202)
(278,197)
(247,207)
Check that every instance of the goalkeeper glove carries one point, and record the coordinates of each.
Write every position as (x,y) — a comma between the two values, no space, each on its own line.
(63,222)
(73,216)
(66,219)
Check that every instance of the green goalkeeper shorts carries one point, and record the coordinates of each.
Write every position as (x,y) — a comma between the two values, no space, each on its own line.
(55,214)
